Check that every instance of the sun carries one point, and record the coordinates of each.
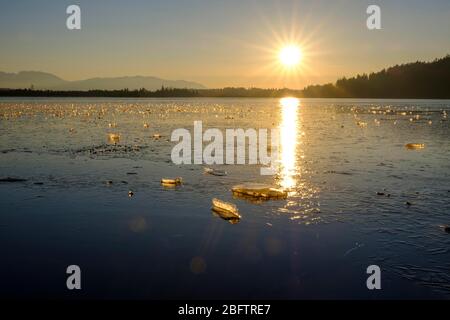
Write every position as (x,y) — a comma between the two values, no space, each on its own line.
(290,56)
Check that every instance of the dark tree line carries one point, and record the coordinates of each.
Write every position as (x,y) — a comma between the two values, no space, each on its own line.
(160,93)
(412,80)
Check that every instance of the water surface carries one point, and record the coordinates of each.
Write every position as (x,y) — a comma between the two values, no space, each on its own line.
(344,161)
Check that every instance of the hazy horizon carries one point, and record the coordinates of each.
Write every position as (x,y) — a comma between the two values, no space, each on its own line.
(216,45)
(188,81)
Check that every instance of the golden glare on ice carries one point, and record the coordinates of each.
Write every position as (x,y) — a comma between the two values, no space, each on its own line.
(288,141)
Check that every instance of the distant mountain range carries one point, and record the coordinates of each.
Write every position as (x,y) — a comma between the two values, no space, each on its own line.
(47,81)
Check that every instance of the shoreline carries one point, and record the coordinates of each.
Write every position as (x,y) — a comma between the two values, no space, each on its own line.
(225,98)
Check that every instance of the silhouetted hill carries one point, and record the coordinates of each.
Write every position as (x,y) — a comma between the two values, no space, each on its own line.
(25,79)
(412,80)
(47,81)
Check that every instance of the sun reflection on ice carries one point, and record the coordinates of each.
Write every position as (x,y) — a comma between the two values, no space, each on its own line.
(303,205)
(288,141)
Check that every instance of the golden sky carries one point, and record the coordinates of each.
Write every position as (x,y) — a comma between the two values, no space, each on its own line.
(220,43)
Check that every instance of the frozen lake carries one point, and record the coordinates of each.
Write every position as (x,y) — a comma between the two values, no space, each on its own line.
(357,197)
